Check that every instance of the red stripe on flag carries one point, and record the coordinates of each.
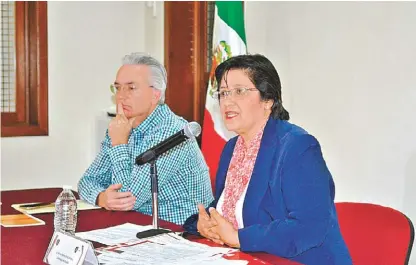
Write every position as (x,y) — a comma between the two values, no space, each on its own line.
(211,146)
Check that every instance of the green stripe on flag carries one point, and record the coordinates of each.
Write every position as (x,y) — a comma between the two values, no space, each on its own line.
(231,12)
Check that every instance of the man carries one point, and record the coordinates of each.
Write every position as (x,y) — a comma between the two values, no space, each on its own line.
(143,120)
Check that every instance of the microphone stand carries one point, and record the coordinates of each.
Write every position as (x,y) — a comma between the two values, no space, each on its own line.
(155,205)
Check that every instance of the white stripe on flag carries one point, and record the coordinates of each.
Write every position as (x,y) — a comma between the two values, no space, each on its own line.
(222,32)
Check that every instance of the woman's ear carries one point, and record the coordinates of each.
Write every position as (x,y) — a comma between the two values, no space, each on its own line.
(268,105)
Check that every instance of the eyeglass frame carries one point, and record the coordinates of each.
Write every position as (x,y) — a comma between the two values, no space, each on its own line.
(217,94)
(132,87)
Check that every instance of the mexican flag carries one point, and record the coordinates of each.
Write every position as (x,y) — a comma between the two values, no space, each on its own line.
(229,39)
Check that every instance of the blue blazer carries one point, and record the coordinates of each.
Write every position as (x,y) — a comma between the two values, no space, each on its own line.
(289,206)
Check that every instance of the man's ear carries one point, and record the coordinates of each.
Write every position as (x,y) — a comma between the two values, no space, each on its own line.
(156,95)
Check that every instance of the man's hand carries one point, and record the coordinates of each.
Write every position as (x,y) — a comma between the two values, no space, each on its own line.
(224,229)
(205,224)
(111,199)
(120,127)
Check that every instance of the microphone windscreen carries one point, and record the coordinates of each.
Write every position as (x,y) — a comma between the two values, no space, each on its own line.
(192,129)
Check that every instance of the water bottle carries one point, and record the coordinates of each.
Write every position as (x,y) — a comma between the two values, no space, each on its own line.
(65,218)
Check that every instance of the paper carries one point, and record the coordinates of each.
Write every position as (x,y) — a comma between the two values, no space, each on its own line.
(20,220)
(50,208)
(168,249)
(223,261)
(114,235)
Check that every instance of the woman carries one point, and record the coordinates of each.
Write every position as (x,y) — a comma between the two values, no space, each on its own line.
(274,192)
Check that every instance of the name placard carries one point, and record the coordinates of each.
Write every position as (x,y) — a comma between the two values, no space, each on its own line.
(66,249)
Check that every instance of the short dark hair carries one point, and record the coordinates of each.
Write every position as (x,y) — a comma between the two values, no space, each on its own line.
(263,75)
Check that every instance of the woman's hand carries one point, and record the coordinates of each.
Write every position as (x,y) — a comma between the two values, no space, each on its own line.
(224,229)
(205,225)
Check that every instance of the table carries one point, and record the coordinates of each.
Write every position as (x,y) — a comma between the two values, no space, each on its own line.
(27,245)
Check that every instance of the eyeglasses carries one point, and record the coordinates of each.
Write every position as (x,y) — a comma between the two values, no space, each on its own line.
(118,87)
(237,93)
(130,87)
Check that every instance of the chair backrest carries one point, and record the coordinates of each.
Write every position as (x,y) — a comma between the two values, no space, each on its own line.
(374,234)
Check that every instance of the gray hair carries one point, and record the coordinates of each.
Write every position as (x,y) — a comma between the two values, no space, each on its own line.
(158,76)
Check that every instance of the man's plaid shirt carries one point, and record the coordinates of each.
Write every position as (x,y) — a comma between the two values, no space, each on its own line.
(183,176)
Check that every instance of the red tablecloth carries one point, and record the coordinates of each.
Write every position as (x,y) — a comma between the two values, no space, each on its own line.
(27,245)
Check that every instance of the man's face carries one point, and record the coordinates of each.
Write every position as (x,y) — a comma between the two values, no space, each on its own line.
(134,92)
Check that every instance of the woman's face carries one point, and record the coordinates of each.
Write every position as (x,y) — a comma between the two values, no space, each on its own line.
(241,106)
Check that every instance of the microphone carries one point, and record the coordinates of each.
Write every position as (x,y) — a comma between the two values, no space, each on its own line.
(191,130)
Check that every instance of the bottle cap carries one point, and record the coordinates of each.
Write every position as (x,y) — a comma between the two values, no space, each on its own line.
(67,187)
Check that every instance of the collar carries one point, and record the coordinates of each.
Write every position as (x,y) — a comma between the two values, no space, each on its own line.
(153,119)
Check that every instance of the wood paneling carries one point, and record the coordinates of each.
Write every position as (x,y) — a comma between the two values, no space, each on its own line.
(31,116)
(185,58)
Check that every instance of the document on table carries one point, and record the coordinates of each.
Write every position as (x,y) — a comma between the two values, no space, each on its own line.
(168,249)
(114,235)
(50,207)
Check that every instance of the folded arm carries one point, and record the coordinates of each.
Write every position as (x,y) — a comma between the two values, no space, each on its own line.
(136,179)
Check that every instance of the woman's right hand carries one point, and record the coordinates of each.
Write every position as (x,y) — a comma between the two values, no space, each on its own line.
(204,225)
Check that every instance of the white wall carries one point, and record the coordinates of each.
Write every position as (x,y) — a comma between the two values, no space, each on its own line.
(349,77)
(86,41)
(154,30)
